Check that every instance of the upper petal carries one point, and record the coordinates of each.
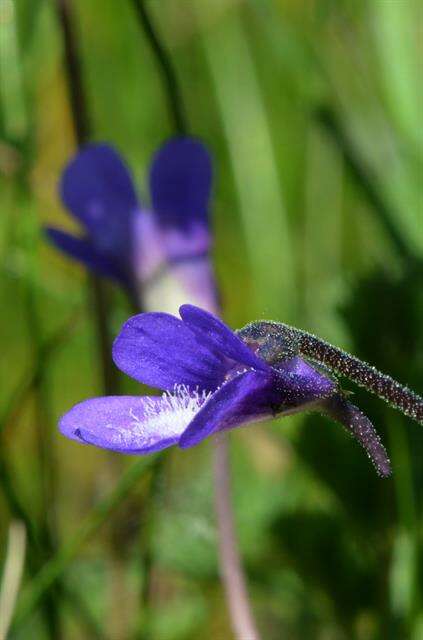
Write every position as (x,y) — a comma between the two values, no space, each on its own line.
(126,424)
(183,243)
(97,188)
(162,351)
(217,334)
(82,249)
(180,183)
(249,396)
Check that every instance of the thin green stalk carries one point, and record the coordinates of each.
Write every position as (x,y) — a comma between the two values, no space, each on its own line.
(30,379)
(36,556)
(87,621)
(365,181)
(45,454)
(42,413)
(149,509)
(405,591)
(8,487)
(16,123)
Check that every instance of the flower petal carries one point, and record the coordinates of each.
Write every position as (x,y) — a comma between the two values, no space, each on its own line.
(97,188)
(161,351)
(255,395)
(82,250)
(198,282)
(126,424)
(247,397)
(180,183)
(174,284)
(149,253)
(217,334)
(184,243)
(359,425)
(309,381)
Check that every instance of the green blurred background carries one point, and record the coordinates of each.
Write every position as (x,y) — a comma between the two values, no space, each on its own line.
(313,113)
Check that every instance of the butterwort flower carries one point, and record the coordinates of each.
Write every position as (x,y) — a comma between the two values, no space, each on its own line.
(212,380)
(134,244)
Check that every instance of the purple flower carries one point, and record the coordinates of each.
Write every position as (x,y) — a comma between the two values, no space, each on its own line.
(125,240)
(211,381)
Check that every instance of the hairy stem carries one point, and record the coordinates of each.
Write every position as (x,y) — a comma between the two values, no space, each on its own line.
(274,341)
(232,575)
(363,374)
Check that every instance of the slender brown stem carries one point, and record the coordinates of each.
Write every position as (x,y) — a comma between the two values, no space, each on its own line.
(104,338)
(81,121)
(97,290)
(73,70)
(173,94)
(231,571)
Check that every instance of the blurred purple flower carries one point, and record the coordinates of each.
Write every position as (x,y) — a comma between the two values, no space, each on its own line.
(125,240)
(212,381)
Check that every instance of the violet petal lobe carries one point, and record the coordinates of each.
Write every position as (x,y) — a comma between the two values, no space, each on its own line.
(304,381)
(341,410)
(181,243)
(180,183)
(214,332)
(247,397)
(127,424)
(97,188)
(82,250)
(161,351)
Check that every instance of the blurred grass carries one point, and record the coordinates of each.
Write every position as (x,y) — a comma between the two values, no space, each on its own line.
(98,515)
(248,135)
(331,551)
